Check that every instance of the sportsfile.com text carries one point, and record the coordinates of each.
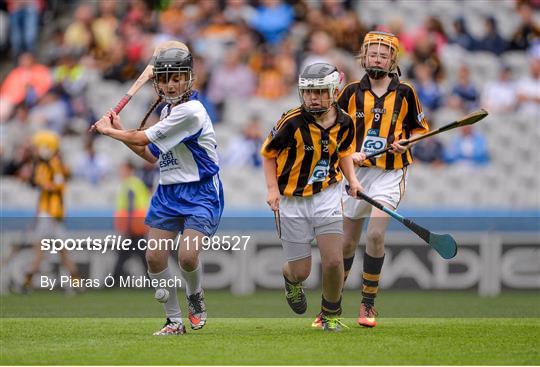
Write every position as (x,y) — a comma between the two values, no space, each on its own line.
(121,243)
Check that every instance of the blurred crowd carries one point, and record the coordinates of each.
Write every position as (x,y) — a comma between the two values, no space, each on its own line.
(241,49)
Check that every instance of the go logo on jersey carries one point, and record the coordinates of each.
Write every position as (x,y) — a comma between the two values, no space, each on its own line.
(373,143)
(320,171)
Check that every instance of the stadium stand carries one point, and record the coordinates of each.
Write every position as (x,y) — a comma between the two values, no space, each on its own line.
(509,180)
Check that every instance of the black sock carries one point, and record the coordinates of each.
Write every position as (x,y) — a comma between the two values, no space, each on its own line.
(370,278)
(347,265)
(330,308)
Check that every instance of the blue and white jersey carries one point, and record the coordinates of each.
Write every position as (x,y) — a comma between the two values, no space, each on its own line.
(185,143)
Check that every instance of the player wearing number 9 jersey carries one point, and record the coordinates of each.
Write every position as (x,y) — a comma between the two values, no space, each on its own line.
(303,159)
(385,111)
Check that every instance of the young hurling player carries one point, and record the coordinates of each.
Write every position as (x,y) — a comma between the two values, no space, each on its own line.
(386,112)
(49,175)
(303,159)
(189,198)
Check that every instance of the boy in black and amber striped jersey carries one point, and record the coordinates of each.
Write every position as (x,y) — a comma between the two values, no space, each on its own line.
(303,159)
(49,176)
(386,111)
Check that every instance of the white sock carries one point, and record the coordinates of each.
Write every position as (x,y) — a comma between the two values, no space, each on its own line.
(193,279)
(172,308)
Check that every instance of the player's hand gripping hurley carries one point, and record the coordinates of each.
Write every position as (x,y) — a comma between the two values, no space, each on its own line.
(470,119)
(444,244)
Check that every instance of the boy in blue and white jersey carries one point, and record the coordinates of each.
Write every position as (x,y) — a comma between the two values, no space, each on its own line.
(189,198)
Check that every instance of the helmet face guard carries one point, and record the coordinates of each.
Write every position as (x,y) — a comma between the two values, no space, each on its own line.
(315,80)
(373,43)
(174,65)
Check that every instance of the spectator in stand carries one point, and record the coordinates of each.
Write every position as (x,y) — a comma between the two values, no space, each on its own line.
(462,36)
(171,24)
(54,47)
(139,13)
(4,28)
(271,82)
(429,151)
(231,80)
(427,88)
(131,206)
(528,31)
(149,173)
(434,30)
(15,131)
(92,166)
(492,41)
(21,163)
(286,55)
(78,35)
(238,11)
(27,83)
(118,67)
(23,25)
(246,44)
(71,80)
(321,48)
(499,96)
(425,52)
(468,147)
(406,41)
(51,113)
(244,149)
(69,74)
(105,27)
(528,89)
(134,40)
(272,19)
(347,31)
(215,39)
(464,94)
(202,75)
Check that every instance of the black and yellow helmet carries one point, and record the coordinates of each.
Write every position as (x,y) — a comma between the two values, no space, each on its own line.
(379,39)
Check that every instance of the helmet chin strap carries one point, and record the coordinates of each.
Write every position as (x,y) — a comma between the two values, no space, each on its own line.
(184,97)
(376,73)
(321,114)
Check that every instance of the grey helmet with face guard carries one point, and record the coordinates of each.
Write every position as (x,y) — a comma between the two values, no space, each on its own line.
(322,77)
(166,65)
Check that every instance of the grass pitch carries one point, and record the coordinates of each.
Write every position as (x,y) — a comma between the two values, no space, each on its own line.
(235,339)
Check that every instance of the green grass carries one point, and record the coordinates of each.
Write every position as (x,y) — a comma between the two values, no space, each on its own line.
(271,341)
(263,304)
(284,340)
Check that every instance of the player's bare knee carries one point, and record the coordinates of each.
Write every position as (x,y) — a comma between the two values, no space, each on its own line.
(375,238)
(332,264)
(188,262)
(299,273)
(155,261)
(349,245)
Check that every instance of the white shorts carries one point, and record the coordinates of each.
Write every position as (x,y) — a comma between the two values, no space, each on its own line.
(301,219)
(386,186)
(48,227)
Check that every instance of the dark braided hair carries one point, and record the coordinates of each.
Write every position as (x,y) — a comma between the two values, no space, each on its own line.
(149,112)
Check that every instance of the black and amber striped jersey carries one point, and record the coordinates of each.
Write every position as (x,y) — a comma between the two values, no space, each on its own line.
(49,177)
(382,120)
(307,154)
